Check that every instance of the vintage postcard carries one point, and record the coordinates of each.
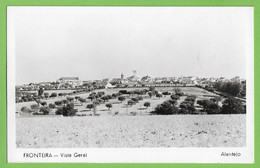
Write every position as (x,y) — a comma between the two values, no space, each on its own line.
(130,84)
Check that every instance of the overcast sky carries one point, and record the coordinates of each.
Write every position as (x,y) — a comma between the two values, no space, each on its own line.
(103,42)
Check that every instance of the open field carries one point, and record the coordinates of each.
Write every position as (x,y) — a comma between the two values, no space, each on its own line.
(132,131)
(122,108)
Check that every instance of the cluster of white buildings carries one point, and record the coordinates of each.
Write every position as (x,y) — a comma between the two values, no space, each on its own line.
(131,81)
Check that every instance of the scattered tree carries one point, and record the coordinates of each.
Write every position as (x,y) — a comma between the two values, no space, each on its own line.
(70,99)
(90,106)
(34,108)
(52,106)
(45,110)
(67,110)
(121,98)
(25,109)
(159,95)
(43,103)
(46,95)
(53,95)
(130,102)
(109,105)
(147,104)
(58,103)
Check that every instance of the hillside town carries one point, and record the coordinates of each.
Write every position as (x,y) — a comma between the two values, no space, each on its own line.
(64,83)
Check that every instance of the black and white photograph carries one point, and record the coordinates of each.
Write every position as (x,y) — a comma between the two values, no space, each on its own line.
(133,79)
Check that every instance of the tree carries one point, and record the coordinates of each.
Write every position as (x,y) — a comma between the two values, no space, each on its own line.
(140,97)
(214,109)
(151,88)
(43,103)
(90,106)
(135,99)
(147,104)
(91,97)
(67,110)
(130,102)
(105,98)
(37,100)
(25,109)
(187,107)
(121,98)
(77,97)
(109,105)
(34,108)
(58,103)
(159,95)
(46,95)
(65,101)
(40,91)
(150,94)
(215,99)
(205,104)
(61,94)
(53,95)
(165,93)
(175,97)
(52,106)
(45,110)
(70,99)
(166,108)
(173,102)
(82,100)
(232,106)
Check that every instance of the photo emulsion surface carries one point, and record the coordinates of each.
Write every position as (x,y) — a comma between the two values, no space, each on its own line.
(130,79)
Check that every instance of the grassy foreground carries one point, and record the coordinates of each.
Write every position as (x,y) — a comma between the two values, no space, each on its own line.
(132,131)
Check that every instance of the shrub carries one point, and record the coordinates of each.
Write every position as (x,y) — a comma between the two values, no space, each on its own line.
(52,106)
(25,109)
(166,108)
(45,110)
(67,110)
(34,107)
(133,113)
